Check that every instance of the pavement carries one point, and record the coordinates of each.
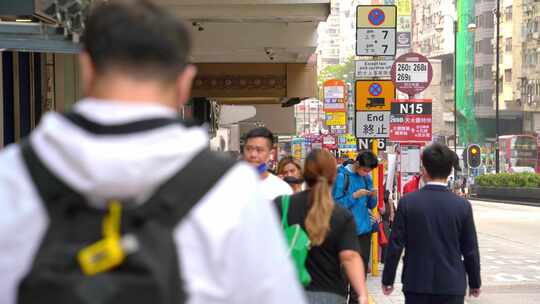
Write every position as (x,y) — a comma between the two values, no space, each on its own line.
(509,239)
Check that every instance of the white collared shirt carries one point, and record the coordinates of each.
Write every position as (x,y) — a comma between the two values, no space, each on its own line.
(437,184)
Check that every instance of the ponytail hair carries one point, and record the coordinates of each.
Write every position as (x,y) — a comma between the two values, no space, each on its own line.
(319,174)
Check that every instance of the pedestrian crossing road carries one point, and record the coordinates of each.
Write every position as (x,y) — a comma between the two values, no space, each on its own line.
(509,239)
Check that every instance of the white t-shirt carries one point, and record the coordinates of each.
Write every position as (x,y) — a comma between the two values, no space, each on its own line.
(273,186)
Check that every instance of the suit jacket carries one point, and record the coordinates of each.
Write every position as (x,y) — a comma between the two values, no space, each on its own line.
(436,229)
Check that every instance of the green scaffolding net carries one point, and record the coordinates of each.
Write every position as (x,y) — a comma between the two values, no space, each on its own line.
(466,120)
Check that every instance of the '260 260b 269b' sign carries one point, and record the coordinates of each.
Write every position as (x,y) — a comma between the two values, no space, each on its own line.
(412,73)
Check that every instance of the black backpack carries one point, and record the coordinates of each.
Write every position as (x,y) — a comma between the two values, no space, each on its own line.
(151,274)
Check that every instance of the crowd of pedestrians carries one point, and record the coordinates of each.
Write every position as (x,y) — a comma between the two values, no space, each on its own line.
(119,201)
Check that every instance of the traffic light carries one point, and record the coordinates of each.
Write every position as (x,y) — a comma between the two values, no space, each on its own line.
(474,156)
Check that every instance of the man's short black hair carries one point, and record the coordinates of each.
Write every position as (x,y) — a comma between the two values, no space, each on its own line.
(367,159)
(136,37)
(261,132)
(438,160)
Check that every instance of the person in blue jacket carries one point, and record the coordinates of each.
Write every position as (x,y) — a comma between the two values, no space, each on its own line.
(353,190)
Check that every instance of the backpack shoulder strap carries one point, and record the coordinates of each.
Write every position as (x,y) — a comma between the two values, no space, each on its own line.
(170,203)
(176,197)
(285,202)
(346,182)
(50,188)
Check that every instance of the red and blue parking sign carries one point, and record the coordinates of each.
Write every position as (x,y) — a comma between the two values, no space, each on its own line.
(375,89)
(376,17)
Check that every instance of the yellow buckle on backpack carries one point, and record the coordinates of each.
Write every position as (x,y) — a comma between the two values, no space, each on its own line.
(106,253)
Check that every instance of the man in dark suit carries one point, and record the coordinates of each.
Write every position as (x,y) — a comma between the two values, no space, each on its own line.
(436,229)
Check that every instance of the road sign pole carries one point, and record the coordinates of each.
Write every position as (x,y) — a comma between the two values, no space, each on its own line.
(375,236)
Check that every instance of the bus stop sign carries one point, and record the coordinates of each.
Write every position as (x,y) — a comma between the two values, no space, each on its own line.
(412,73)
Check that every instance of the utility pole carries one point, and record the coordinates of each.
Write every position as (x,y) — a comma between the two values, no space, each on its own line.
(497,72)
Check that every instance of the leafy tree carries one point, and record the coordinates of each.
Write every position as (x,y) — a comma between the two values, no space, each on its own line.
(344,71)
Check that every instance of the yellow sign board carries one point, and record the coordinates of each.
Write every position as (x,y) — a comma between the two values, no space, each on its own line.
(374,95)
(404,7)
(350,140)
(376,16)
(336,119)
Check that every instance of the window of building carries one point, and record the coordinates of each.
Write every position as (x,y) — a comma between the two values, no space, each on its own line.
(508,47)
(478,73)
(508,13)
(480,21)
(508,75)
(486,47)
(488,72)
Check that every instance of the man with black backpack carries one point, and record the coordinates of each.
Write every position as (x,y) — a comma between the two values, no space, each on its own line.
(121,202)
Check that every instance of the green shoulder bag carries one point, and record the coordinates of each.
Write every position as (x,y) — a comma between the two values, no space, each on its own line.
(298,242)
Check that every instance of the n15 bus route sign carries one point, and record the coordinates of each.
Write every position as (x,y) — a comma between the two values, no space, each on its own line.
(411,120)
(412,73)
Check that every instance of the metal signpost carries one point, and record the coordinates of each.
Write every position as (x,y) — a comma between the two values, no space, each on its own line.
(376,38)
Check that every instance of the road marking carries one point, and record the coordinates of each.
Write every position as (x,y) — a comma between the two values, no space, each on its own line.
(504,277)
(534,267)
(488,257)
(500,262)
(493,267)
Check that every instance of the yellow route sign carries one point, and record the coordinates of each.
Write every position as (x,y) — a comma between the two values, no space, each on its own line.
(374,95)
(336,119)
(376,16)
(404,7)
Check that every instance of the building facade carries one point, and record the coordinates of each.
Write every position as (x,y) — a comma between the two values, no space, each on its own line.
(337,36)
(433,37)
(530,81)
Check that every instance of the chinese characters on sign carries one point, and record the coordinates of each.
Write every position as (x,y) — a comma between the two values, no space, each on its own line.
(375,42)
(335,107)
(373,68)
(336,119)
(404,23)
(334,91)
(411,120)
(373,124)
(404,7)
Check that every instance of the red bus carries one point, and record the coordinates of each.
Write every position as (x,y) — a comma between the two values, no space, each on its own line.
(538,163)
(519,153)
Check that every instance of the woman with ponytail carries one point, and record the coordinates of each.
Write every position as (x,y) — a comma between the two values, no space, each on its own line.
(332,233)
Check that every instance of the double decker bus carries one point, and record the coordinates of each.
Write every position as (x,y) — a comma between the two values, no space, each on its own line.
(519,153)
